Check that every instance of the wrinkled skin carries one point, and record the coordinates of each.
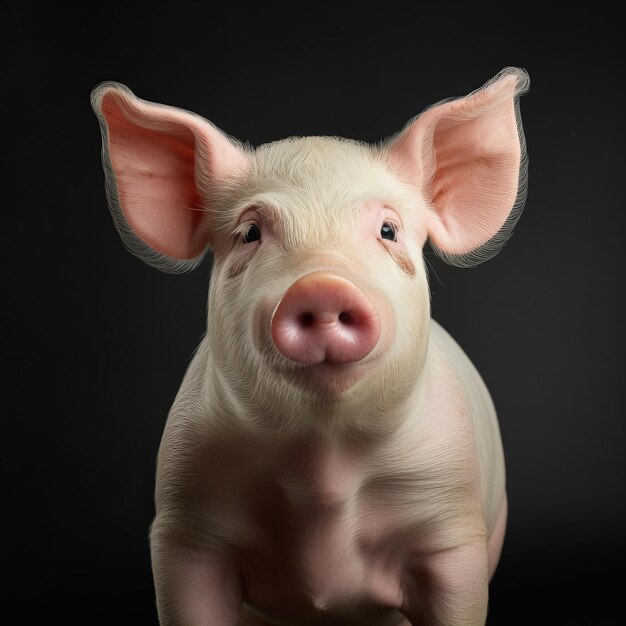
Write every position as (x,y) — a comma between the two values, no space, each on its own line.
(332,456)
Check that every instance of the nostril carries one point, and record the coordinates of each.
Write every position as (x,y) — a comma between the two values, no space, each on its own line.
(345,317)
(307,319)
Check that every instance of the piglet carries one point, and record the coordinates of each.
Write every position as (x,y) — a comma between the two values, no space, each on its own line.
(332,456)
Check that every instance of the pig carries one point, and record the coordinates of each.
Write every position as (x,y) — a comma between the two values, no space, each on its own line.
(332,455)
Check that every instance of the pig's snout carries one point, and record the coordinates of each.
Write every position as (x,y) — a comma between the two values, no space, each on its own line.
(325,318)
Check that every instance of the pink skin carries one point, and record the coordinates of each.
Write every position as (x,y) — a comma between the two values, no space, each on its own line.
(325,318)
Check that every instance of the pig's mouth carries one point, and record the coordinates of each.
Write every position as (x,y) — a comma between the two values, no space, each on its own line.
(326,378)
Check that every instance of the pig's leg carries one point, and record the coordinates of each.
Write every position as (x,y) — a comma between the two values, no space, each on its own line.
(450,588)
(192,589)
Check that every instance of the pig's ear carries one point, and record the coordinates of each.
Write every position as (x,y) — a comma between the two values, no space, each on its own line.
(163,168)
(468,157)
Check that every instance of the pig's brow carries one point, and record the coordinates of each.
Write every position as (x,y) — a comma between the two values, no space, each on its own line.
(268,211)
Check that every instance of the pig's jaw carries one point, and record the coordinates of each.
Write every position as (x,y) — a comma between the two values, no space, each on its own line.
(366,399)
(363,401)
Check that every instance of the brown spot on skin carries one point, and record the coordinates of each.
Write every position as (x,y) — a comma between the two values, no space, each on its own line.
(406,265)
(402,259)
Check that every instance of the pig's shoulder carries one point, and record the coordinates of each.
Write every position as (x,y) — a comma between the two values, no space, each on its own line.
(454,379)
(452,365)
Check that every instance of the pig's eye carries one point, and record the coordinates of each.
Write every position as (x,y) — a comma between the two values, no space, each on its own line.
(252,234)
(388,231)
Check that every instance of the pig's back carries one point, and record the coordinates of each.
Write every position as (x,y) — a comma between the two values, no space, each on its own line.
(481,409)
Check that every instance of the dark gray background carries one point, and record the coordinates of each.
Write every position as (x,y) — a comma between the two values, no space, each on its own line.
(96,342)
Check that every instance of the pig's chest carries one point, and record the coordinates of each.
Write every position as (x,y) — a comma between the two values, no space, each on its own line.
(316,549)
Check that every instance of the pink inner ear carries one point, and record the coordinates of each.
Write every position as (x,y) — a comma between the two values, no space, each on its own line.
(465,155)
(475,182)
(155,175)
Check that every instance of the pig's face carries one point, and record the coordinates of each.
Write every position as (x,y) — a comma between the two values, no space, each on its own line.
(334,207)
(319,295)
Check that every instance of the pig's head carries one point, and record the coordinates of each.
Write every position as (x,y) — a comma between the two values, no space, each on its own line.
(319,298)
